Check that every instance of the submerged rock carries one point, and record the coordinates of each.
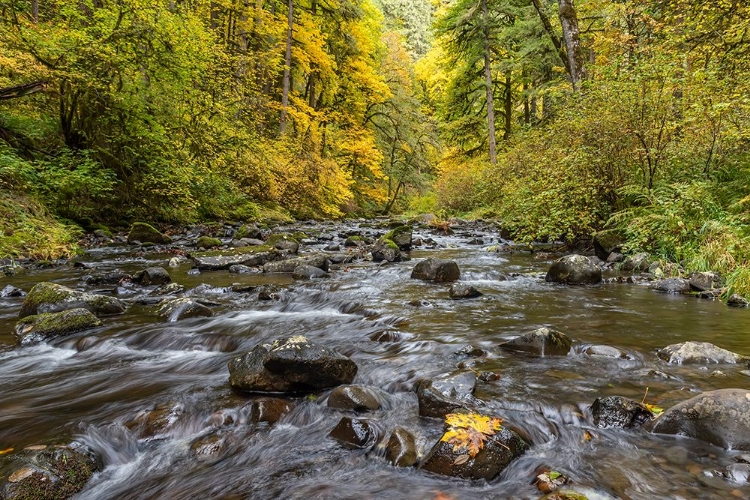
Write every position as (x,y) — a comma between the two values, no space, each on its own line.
(182,308)
(146,233)
(604,351)
(353,397)
(618,411)
(542,342)
(355,433)
(737,301)
(49,472)
(698,352)
(269,410)
(718,417)
(305,272)
(11,291)
(672,285)
(574,270)
(51,297)
(401,449)
(47,326)
(463,291)
(442,395)
(292,364)
(438,270)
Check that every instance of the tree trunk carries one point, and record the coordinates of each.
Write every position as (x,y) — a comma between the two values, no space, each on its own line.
(35,11)
(489,86)
(552,34)
(508,102)
(572,38)
(287,67)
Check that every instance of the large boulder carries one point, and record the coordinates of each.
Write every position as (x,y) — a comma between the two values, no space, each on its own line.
(574,270)
(49,472)
(618,411)
(448,393)
(704,281)
(385,250)
(46,326)
(698,353)
(672,285)
(246,256)
(146,233)
(291,364)
(182,308)
(607,242)
(51,297)
(718,417)
(542,342)
(401,236)
(452,455)
(438,270)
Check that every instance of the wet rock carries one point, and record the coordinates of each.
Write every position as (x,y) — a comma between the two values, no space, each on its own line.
(387,336)
(247,242)
(146,233)
(168,289)
(672,285)
(268,292)
(549,481)
(574,270)
(438,270)
(11,291)
(283,242)
(305,272)
(332,248)
(463,291)
(698,352)
(637,262)
(737,301)
(341,258)
(269,410)
(607,242)
(353,397)
(208,242)
(182,308)
(319,261)
(209,447)
(442,395)
(292,364)
(401,450)
(46,326)
(499,450)
(355,433)
(158,421)
(401,236)
(240,269)
(704,281)
(113,277)
(177,261)
(615,257)
(604,351)
(247,256)
(719,417)
(738,473)
(354,241)
(542,342)
(618,411)
(51,297)
(152,276)
(49,472)
(385,250)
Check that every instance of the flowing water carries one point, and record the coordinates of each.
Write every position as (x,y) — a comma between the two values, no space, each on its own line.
(89,386)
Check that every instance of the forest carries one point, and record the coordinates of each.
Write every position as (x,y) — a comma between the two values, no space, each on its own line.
(557,119)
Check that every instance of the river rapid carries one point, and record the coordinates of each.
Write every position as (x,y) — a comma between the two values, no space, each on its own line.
(91,386)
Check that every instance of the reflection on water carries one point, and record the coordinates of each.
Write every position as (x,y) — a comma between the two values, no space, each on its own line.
(90,386)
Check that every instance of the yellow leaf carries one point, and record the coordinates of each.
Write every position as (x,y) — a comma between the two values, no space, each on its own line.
(468,431)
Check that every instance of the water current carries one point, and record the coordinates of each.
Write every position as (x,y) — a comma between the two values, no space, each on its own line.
(90,386)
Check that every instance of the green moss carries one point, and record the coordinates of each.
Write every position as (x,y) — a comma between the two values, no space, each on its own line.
(299,236)
(208,242)
(49,325)
(275,238)
(389,243)
(246,232)
(146,233)
(397,231)
(72,470)
(234,251)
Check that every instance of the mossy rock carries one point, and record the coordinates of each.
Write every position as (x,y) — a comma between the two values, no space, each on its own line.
(51,297)
(49,473)
(208,242)
(146,233)
(40,327)
(401,237)
(283,241)
(248,231)
(607,241)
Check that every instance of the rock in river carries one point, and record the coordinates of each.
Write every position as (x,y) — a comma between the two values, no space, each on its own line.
(291,364)
(574,270)
(542,342)
(718,417)
(401,450)
(51,297)
(463,291)
(618,411)
(698,352)
(49,472)
(438,270)
(353,397)
(355,433)
(46,326)
(497,451)
(182,308)
(442,395)
(672,285)
(153,276)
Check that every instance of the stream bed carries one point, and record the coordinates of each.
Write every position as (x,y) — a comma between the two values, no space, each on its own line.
(90,387)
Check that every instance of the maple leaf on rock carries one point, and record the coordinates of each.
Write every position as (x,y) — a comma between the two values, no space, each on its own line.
(468,431)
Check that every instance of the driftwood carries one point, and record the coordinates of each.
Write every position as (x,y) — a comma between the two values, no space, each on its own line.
(21,90)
